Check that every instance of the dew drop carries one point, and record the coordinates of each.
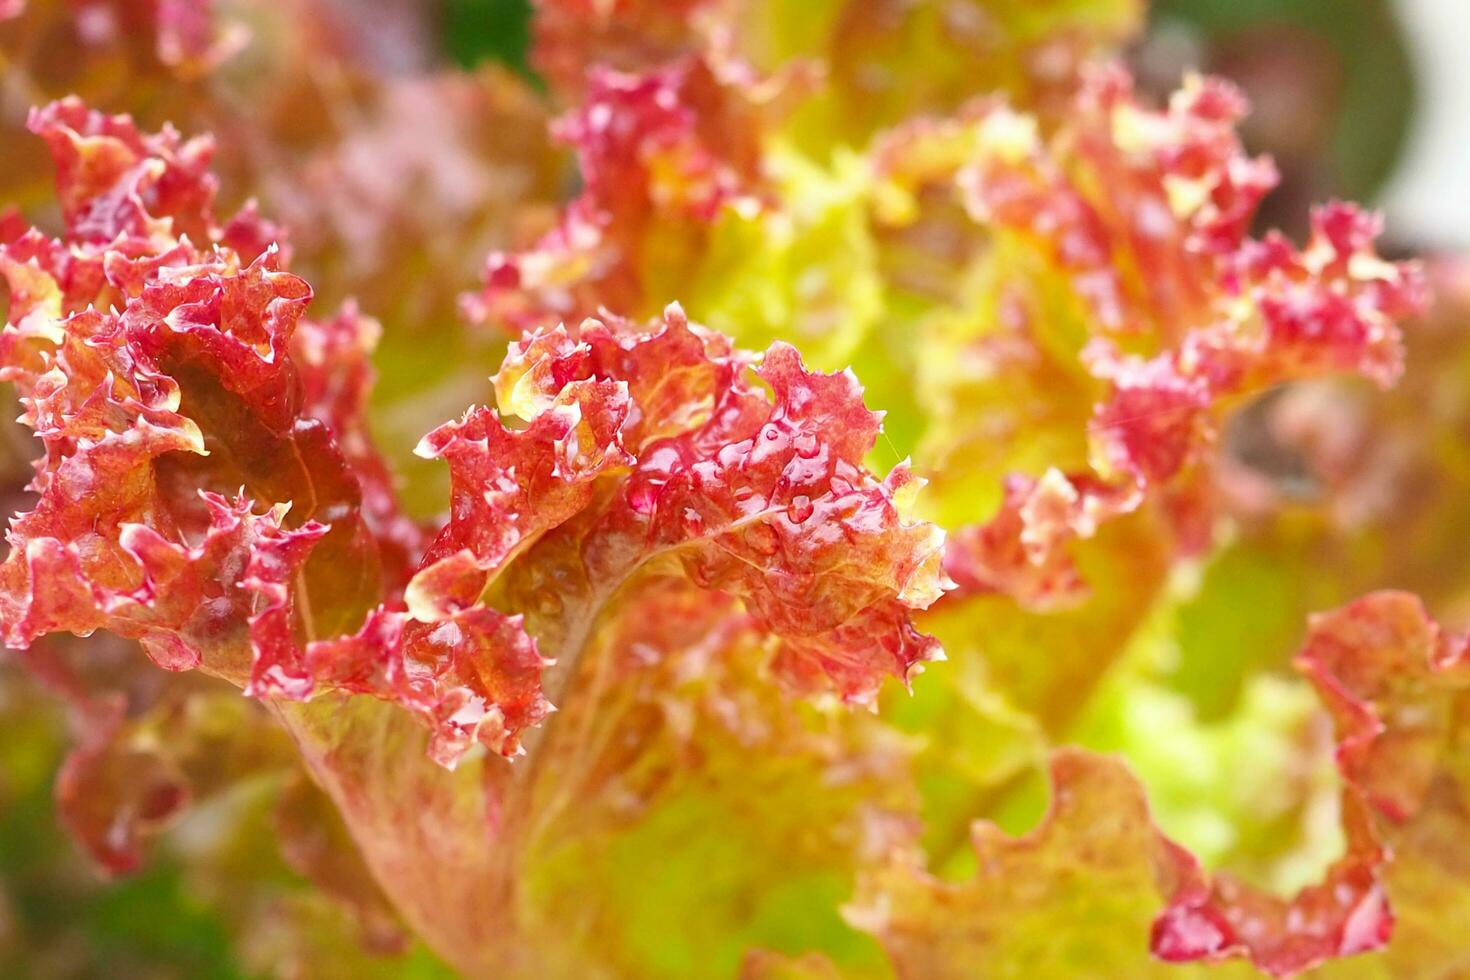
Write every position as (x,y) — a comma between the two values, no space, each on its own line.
(799,509)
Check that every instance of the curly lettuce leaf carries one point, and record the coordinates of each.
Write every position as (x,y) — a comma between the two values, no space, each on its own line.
(623,458)
(1393,682)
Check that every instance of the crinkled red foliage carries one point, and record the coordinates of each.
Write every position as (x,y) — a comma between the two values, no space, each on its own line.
(1021,550)
(205,379)
(209,486)
(574,38)
(1395,684)
(640,447)
(1146,213)
(1218,917)
(111,795)
(1390,677)
(673,144)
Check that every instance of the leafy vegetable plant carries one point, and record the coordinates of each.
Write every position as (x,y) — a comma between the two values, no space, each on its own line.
(875,337)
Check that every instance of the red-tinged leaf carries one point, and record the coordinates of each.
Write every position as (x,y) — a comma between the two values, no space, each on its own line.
(1155,423)
(271,576)
(148,745)
(498,473)
(510,486)
(116,427)
(644,452)
(194,385)
(673,376)
(1391,678)
(711,501)
(1393,682)
(1333,305)
(1347,913)
(249,234)
(132,775)
(1075,896)
(665,148)
(640,451)
(1022,553)
(678,135)
(1071,898)
(192,600)
(112,795)
(1138,218)
(501,670)
(575,37)
(764,499)
(877,642)
(116,182)
(190,37)
(1395,685)
(471,676)
(33,609)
